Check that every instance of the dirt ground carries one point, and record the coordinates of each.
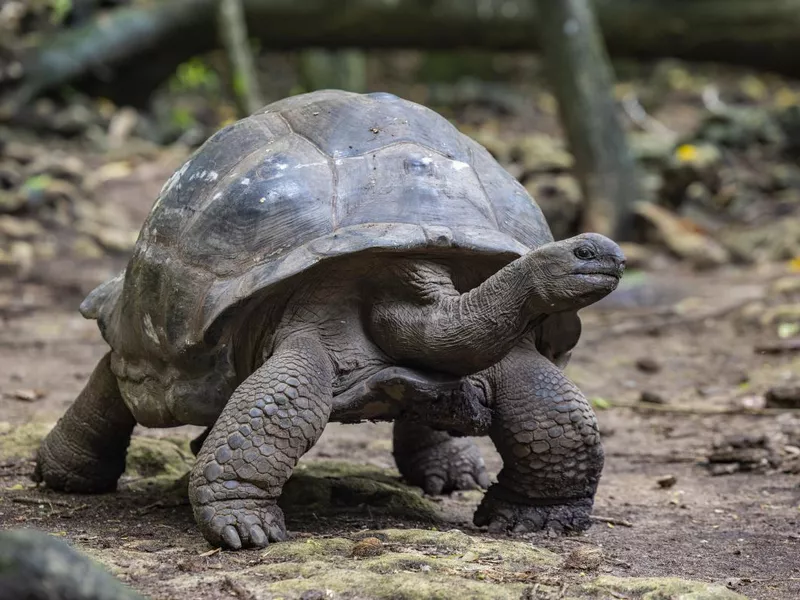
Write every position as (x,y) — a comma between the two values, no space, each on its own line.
(698,332)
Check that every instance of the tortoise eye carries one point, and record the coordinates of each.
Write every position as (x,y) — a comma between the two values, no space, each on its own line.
(584,252)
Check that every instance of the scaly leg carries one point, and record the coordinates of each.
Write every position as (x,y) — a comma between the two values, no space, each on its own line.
(85,452)
(274,417)
(547,435)
(436,461)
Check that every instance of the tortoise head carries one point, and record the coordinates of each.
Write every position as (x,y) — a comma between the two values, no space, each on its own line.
(575,272)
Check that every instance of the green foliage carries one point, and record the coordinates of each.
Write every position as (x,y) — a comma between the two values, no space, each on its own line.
(182,118)
(194,75)
(59,10)
(36,183)
(600,403)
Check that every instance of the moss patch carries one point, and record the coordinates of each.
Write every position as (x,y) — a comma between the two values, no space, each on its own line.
(657,588)
(332,487)
(20,441)
(418,564)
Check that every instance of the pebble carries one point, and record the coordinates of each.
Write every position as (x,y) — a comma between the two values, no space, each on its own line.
(786,396)
(652,398)
(648,365)
(667,481)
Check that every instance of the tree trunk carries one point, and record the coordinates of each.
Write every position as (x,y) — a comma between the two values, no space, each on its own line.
(118,46)
(581,78)
(233,33)
(334,69)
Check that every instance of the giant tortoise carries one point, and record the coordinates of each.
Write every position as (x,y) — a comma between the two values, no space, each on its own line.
(345,257)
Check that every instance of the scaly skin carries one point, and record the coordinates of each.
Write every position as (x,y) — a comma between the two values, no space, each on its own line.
(436,461)
(274,417)
(85,452)
(547,435)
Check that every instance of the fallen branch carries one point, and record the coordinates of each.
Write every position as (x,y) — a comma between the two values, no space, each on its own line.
(612,521)
(126,46)
(39,501)
(779,347)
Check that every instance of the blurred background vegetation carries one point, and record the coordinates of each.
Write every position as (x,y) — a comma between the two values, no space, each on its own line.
(94,91)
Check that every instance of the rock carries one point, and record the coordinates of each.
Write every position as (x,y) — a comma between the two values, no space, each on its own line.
(775,240)
(667,481)
(370,546)
(559,197)
(540,153)
(584,558)
(324,487)
(38,566)
(680,238)
(743,452)
(637,256)
(20,229)
(785,396)
(648,365)
(652,398)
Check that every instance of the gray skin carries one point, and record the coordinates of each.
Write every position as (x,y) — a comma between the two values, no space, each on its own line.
(415,281)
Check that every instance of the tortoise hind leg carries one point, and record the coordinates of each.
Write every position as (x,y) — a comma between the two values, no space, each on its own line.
(85,452)
(547,435)
(274,417)
(436,461)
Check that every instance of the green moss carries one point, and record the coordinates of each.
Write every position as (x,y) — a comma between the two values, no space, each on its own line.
(309,549)
(148,457)
(331,487)
(399,586)
(158,457)
(515,555)
(657,588)
(20,441)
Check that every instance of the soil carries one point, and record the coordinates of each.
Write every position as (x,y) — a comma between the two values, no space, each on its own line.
(686,337)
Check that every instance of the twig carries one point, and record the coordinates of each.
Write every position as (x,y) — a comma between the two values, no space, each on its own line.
(68,514)
(636,113)
(612,521)
(779,347)
(692,410)
(38,501)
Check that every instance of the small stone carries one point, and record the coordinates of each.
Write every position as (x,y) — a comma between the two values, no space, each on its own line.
(733,582)
(27,395)
(667,481)
(652,398)
(787,396)
(584,558)
(313,595)
(370,546)
(648,365)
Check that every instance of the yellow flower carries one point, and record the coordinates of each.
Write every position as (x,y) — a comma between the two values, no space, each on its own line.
(686,152)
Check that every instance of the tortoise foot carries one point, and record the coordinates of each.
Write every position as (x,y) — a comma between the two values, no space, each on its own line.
(502,515)
(76,473)
(235,524)
(454,464)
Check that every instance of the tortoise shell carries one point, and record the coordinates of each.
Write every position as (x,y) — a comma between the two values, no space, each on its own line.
(309,178)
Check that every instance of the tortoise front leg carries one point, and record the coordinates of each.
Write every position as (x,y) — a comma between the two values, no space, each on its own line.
(547,435)
(274,417)
(436,461)
(85,452)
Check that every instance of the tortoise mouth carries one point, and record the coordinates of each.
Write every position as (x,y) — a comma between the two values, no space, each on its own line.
(600,272)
